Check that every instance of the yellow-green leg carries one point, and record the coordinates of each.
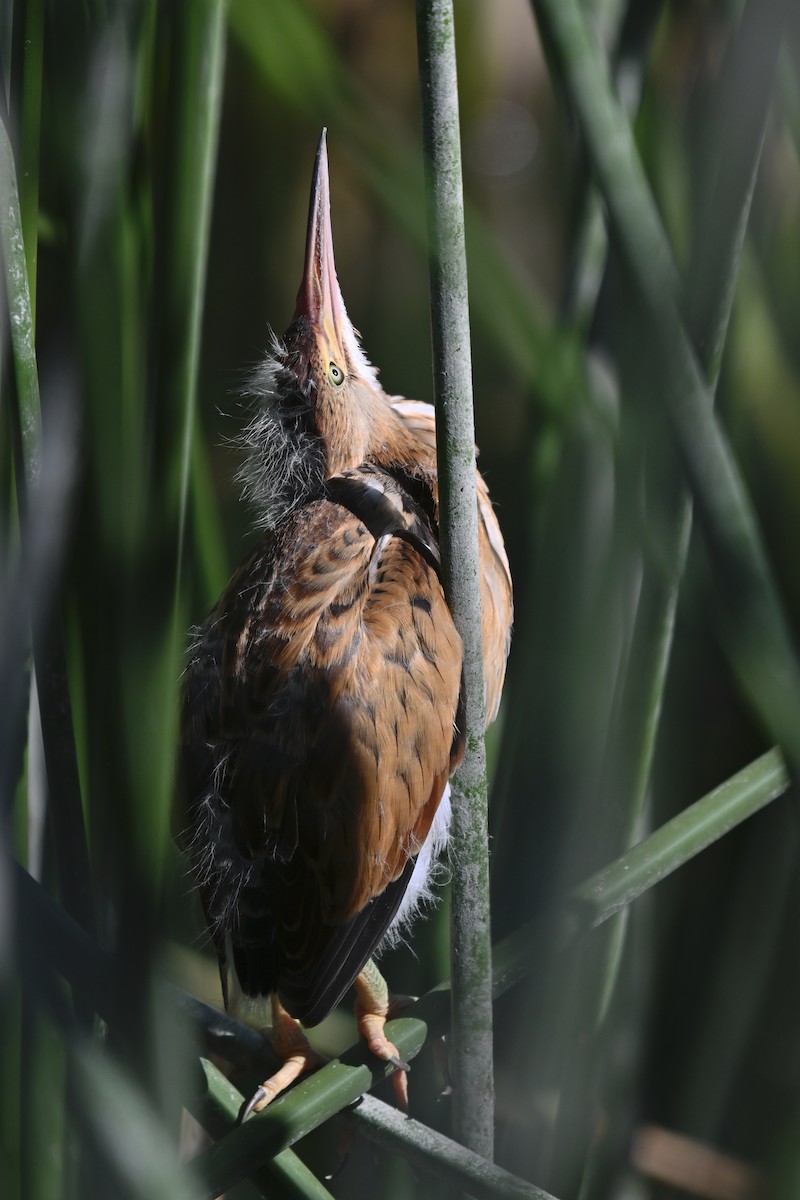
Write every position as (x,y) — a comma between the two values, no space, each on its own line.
(374,1005)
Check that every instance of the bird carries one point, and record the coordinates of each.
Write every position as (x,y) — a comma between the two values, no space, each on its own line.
(323,706)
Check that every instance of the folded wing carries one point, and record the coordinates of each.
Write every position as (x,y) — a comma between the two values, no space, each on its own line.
(319,731)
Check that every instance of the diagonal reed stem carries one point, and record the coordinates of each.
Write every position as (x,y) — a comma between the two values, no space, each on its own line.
(284,1177)
(437,1155)
(711,289)
(755,628)
(68,950)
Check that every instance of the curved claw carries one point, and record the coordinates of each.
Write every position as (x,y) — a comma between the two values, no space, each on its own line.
(256,1100)
(397,1062)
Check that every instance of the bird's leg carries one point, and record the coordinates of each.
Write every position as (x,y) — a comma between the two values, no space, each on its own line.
(374,1005)
(290,1044)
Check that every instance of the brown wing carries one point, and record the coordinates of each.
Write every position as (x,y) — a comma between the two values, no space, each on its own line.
(496,592)
(319,720)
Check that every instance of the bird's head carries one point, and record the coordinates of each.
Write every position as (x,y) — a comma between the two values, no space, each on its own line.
(322,348)
(321,328)
(321,409)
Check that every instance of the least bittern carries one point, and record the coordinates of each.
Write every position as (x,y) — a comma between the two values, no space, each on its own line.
(322,697)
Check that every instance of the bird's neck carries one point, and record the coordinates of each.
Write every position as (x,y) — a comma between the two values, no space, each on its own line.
(293,442)
(371,431)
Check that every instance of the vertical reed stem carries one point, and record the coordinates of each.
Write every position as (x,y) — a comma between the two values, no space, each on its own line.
(471,1054)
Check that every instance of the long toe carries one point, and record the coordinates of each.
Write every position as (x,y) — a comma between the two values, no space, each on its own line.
(292,1069)
(292,1046)
(370,1026)
(373,1005)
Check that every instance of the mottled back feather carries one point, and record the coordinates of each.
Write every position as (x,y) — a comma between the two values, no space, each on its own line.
(320,701)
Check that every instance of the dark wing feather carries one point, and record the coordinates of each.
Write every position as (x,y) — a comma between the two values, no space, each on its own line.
(319,713)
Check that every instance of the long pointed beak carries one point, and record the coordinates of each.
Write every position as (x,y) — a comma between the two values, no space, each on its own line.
(319,299)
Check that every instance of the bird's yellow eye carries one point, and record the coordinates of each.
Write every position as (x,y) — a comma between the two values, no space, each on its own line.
(335,374)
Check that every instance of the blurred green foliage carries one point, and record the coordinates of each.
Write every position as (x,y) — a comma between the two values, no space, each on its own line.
(150,307)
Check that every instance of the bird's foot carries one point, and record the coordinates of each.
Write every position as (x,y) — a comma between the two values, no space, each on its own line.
(374,1006)
(292,1045)
(370,1026)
